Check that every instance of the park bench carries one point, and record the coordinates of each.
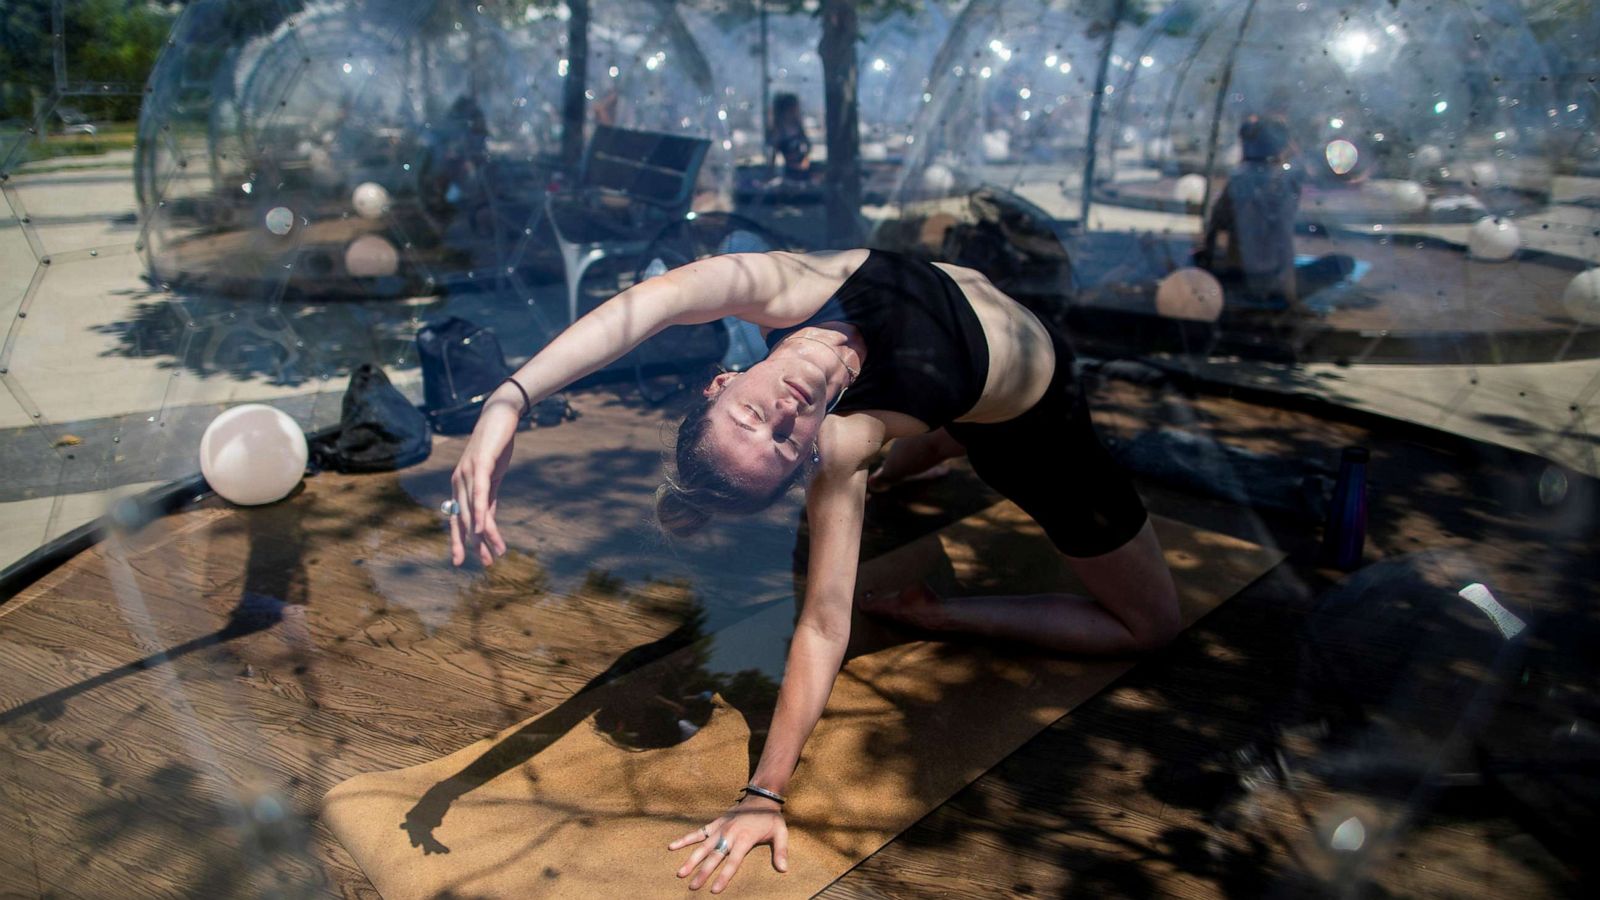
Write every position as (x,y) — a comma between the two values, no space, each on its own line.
(631,185)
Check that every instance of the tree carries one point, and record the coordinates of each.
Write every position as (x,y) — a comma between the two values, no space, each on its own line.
(27,74)
(840,73)
(103,41)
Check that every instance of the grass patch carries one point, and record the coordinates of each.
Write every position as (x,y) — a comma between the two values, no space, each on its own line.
(107,137)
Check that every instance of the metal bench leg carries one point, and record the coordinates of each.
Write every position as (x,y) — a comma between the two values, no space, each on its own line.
(577,261)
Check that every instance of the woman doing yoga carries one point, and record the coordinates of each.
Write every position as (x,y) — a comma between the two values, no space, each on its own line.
(866,347)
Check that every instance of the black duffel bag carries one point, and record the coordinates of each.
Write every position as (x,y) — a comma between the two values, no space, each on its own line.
(379,429)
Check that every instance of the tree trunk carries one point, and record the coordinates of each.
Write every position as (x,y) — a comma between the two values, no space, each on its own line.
(842,179)
(573,107)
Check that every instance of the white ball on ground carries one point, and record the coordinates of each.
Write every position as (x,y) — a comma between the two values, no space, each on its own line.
(371,256)
(1192,294)
(1405,196)
(370,199)
(1482,175)
(253,454)
(997,146)
(1190,189)
(1582,297)
(938,177)
(1494,239)
(280,219)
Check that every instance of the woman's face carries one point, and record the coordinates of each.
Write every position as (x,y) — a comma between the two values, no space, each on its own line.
(764,422)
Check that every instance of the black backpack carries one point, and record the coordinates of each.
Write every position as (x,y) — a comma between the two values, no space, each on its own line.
(461,366)
(379,429)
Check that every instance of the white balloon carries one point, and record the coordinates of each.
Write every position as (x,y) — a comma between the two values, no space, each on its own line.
(1494,239)
(370,199)
(1192,294)
(1482,175)
(1349,836)
(997,146)
(938,177)
(371,256)
(253,454)
(280,219)
(1407,196)
(1582,297)
(1190,189)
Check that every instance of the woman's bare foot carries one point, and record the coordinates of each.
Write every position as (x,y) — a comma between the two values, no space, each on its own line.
(917,606)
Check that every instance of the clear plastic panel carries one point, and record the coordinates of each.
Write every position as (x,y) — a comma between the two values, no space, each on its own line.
(1268,230)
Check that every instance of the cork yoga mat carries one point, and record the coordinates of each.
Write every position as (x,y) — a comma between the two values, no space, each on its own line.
(586,797)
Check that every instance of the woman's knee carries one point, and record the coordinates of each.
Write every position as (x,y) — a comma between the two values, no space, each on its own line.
(1135,585)
(1156,626)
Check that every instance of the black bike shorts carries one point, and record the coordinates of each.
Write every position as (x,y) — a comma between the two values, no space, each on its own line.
(1050,462)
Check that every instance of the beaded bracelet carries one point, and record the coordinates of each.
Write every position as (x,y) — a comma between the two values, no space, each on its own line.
(761,792)
(527,402)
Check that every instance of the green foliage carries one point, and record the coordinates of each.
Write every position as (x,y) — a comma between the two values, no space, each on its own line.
(106,41)
(25,68)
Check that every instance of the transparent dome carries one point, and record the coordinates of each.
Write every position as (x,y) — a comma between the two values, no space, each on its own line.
(385,147)
(1393,112)
(1569,32)
(893,60)
(1334,191)
(648,71)
(731,36)
(1007,104)
(309,185)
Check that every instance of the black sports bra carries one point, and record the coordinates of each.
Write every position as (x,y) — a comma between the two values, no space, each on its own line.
(926,353)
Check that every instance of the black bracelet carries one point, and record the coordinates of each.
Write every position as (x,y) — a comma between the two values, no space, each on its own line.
(527,402)
(760,792)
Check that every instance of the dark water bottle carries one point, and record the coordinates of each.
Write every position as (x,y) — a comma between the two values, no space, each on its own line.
(1346,532)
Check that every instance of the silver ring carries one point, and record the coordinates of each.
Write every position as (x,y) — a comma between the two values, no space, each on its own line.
(450,507)
(722,846)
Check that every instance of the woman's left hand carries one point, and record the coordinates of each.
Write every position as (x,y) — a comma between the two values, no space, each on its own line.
(751,822)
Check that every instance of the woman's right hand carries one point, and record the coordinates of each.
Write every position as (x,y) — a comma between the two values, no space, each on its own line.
(476,481)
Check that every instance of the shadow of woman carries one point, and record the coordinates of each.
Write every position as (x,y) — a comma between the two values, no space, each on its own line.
(666,706)
(678,676)
(273,589)
(668,701)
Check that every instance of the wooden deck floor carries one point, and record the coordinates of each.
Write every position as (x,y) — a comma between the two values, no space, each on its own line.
(174,703)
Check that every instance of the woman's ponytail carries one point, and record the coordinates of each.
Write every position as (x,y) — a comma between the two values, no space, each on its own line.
(676,513)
